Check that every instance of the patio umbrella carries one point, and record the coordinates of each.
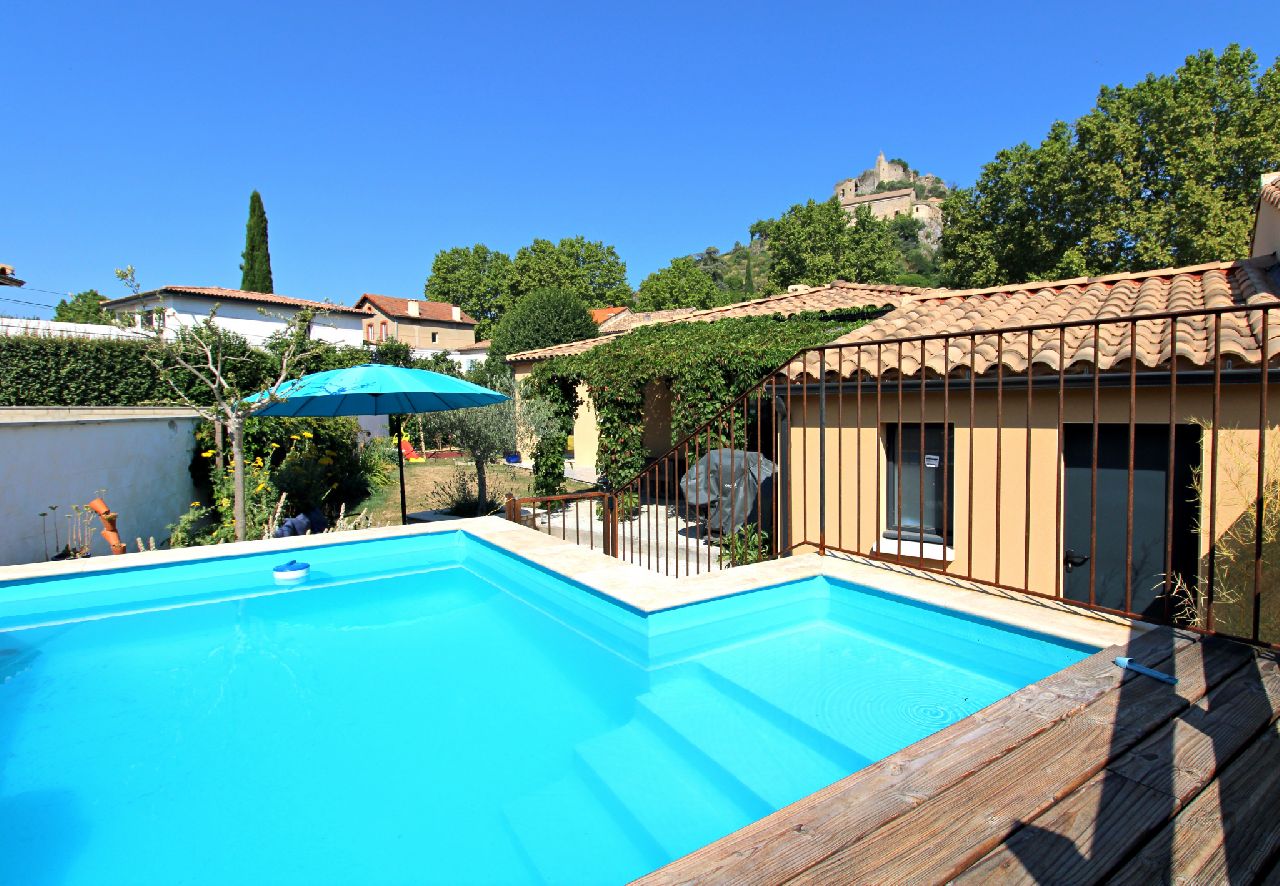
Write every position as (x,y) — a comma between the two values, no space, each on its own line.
(375,389)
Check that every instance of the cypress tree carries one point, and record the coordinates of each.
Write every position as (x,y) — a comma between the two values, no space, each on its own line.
(751,280)
(256,267)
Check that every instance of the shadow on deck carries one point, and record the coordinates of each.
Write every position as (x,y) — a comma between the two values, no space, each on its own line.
(1091,774)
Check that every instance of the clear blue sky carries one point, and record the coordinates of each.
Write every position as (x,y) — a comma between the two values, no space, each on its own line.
(380,133)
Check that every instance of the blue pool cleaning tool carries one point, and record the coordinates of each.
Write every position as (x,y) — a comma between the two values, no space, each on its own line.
(1130,664)
(292,571)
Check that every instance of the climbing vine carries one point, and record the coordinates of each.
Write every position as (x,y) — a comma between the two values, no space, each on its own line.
(704,365)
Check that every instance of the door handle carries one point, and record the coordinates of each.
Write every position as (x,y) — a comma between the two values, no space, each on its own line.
(1071,560)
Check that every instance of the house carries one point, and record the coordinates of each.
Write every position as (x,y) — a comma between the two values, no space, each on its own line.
(585,441)
(255,315)
(600,315)
(426,326)
(468,357)
(7,277)
(580,458)
(1104,440)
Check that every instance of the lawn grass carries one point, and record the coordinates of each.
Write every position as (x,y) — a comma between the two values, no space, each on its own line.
(429,486)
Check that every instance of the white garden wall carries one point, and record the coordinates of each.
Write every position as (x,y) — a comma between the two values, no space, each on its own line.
(64,456)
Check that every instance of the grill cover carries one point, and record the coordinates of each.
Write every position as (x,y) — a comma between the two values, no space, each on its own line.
(724,482)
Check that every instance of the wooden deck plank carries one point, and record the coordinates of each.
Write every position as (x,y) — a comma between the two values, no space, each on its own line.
(942,837)
(1229,833)
(798,836)
(1092,831)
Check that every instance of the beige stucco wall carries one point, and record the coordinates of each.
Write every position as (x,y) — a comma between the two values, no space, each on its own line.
(856,525)
(586,435)
(418,334)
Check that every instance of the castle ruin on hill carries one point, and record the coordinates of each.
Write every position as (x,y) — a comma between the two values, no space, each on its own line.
(891,189)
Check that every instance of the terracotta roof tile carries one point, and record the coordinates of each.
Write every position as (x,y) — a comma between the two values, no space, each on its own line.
(220,294)
(1120,296)
(1271,193)
(599,315)
(438,312)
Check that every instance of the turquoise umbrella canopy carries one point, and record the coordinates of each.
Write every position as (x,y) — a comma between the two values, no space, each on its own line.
(374,389)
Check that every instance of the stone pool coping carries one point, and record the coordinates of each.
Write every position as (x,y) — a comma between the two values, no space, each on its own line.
(650,592)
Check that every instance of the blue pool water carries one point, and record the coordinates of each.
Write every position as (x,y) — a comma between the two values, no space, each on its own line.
(430,709)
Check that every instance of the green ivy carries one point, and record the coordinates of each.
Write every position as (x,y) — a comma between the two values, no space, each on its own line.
(705,365)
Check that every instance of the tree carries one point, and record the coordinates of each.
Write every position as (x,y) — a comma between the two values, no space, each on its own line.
(587,269)
(83,307)
(682,284)
(814,244)
(477,279)
(540,319)
(213,370)
(256,268)
(485,433)
(1158,174)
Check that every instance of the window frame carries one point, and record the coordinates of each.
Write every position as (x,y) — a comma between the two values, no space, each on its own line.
(906,539)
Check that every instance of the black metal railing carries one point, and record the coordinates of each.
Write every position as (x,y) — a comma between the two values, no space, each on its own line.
(1126,465)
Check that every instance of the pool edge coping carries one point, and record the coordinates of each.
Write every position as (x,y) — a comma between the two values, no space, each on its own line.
(649,592)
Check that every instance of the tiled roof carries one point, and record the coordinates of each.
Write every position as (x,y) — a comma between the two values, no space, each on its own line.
(439,312)
(635,319)
(1222,284)
(1271,193)
(803,299)
(478,346)
(599,315)
(609,330)
(7,276)
(219,294)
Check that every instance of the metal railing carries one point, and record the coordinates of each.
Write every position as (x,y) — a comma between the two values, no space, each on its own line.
(1146,487)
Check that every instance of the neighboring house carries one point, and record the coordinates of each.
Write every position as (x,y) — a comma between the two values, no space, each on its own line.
(427,327)
(471,355)
(254,315)
(7,277)
(600,315)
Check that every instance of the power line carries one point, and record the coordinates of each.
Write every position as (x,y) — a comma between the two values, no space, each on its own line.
(34,304)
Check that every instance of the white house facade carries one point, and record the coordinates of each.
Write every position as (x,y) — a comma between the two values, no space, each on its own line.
(254,315)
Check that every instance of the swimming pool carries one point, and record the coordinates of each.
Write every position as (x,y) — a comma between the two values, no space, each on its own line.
(433,709)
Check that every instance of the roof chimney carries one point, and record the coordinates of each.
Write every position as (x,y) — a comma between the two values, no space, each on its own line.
(413,308)
(1266,224)
(457,314)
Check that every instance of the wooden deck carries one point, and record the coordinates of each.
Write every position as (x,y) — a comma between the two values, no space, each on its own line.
(1091,774)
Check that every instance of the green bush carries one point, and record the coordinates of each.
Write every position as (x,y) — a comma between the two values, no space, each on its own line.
(40,371)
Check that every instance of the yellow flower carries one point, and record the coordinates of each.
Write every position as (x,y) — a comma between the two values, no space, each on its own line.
(260,487)
(226,502)
(326,461)
(208,453)
(275,445)
(307,434)
(195,504)
(294,437)
(257,462)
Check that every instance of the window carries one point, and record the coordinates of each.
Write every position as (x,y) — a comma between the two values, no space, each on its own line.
(905,470)
(368,332)
(435,337)
(152,318)
(382,331)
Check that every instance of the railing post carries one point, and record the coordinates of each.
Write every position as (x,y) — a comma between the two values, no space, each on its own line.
(510,507)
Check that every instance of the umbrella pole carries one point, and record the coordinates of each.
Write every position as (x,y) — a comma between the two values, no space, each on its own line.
(404,508)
